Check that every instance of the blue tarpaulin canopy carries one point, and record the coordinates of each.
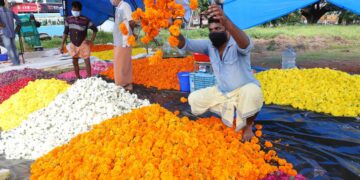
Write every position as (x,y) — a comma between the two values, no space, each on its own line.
(98,11)
(244,13)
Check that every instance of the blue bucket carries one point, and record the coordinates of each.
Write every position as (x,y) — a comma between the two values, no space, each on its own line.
(3,57)
(184,81)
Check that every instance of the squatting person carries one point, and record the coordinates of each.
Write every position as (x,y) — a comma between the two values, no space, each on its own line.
(237,90)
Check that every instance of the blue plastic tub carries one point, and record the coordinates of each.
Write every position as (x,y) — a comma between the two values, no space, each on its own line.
(4,57)
(184,81)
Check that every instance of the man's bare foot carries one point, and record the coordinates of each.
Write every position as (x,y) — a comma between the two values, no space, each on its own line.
(248,133)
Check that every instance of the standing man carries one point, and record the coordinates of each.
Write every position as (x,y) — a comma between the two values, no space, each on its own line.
(77,26)
(122,49)
(8,33)
(237,90)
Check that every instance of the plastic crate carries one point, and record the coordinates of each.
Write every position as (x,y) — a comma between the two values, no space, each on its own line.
(201,80)
(201,57)
(4,57)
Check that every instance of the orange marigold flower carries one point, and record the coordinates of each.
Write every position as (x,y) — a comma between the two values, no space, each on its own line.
(174,30)
(292,172)
(177,112)
(173,41)
(258,133)
(137,14)
(145,39)
(183,100)
(258,126)
(131,40)
(281,162)
(178,22)
(268,144)
(193,4)
(156,58)
(123,29)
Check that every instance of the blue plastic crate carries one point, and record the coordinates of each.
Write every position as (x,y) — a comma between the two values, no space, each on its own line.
(4,57)
(200,80)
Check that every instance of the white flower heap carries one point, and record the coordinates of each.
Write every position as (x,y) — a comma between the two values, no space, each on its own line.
(84,104)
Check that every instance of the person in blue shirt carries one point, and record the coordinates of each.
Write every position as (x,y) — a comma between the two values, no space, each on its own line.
(237,90)
(8,32)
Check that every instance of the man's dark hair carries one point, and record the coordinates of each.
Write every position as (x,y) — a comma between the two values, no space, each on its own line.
(2,2)
(76,4)
(212,20)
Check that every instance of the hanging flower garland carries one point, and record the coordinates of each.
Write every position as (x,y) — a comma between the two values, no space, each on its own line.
(156,16)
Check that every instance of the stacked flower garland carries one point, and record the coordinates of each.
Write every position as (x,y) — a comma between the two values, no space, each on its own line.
(153,143)
(34,96)
(156,17)
(87,102)
(320,90)
(162,75)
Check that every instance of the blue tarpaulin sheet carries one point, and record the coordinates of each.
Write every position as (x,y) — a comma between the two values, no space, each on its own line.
(248,13)
(351,5)
(244,13)
(98,11)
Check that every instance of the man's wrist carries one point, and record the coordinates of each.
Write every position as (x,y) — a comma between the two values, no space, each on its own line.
(227,22)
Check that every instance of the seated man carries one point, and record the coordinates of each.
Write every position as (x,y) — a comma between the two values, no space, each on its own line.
(237,89)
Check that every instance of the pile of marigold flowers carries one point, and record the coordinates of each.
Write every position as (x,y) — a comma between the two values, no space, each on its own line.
(36,95)
(162,74)
(320,90)
(153,143)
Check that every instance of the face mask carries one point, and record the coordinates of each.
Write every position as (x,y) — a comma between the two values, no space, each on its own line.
(218,38)
(75,13)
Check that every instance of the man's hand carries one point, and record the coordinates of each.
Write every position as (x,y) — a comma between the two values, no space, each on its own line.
(2,25)
(217,13)
(62,49)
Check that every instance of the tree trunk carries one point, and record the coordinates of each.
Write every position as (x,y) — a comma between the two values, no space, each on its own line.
(314,12)
(341,17)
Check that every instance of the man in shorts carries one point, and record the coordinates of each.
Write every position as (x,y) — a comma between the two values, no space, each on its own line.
(77,26)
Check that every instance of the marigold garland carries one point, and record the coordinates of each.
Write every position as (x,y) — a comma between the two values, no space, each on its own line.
(193,4)
(34,96)
(173,41)
(178,22)
(163,75)
(174,30)
(153,143)
(318,89)
(123,29)
(132,40)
